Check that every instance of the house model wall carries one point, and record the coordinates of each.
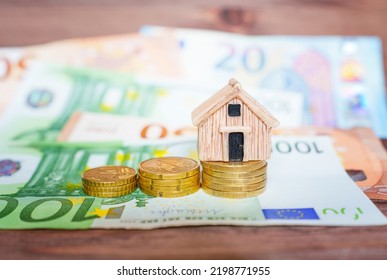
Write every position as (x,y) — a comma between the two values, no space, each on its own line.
(232,126)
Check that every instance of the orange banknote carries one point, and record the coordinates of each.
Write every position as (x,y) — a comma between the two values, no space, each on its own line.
(361,153)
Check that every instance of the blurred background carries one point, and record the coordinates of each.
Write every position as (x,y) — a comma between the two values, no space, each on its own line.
(26,22)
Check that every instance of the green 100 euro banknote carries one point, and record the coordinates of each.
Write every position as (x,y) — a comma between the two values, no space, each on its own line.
(40,187)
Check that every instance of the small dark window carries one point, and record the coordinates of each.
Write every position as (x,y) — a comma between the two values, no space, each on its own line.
(234,110)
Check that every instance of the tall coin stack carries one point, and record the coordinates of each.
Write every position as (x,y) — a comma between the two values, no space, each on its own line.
(234,179)
(109,181)
(169,176)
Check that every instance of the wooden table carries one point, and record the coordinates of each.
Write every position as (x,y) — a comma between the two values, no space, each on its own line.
(32,22)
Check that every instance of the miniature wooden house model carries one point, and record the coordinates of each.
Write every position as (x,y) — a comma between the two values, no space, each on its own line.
(232,126)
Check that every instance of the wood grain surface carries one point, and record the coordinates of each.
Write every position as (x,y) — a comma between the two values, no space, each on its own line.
(25,22)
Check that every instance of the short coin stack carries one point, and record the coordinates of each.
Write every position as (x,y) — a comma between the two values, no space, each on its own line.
(109,181)
(169,176)
(234,179)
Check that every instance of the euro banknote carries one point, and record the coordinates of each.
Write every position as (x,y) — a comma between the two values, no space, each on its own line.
(340,78)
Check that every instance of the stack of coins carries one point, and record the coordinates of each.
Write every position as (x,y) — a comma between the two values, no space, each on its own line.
(109,181)
(234,179)
(169,176)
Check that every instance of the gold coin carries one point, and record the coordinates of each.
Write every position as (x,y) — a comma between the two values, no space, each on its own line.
(171,194)
(235,188)
(168,168)
(170,188)
(131,186)
(233,194)
(228,181)
(109,176)
(243,166)
(117,184)
(236,175)
(107,194)
(169,183)
(109,184)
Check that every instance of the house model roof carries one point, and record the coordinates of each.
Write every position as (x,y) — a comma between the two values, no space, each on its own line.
(230,91)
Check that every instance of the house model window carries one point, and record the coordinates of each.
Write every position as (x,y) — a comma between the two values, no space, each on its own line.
(234,110)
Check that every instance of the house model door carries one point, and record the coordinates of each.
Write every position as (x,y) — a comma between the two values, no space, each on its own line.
(235,146)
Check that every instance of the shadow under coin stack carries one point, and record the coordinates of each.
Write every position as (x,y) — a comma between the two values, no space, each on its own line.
(109,181)
(169,176)
(234,179)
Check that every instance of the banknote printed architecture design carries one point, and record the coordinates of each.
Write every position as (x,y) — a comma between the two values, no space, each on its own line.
(233,126)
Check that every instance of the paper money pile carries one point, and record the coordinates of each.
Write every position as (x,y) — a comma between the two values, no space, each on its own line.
(70,106)
(344,90)
(169,176)
(234,179)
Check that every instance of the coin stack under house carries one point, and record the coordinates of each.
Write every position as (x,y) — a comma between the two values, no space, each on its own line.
(109,181)
(234,179)
(169,176)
